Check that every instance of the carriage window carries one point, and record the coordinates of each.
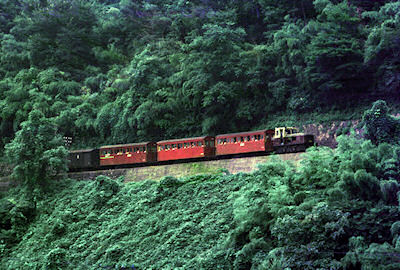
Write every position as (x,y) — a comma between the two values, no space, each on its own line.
(224,140)
(241,139)
(212,143)
(262,137)
(123,151)
(144,149)
(248,138)
(179,145)
(234,139)
(199,144)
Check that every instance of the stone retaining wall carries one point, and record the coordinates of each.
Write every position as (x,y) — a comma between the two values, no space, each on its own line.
(234,165)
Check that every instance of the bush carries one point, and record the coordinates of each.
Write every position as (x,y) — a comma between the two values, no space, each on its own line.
(379,125)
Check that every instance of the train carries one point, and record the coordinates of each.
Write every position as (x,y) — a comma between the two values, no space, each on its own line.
(278,140)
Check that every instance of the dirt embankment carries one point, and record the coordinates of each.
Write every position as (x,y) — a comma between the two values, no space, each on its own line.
(326,134)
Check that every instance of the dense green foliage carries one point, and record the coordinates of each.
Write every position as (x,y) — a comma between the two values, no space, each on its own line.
(125,71)
(337,209)
(379,125)
(37,152)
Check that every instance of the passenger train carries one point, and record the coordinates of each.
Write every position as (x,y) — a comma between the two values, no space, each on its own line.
(280,140)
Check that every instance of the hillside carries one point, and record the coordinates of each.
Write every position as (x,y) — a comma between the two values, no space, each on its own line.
(337,210)
(124,71)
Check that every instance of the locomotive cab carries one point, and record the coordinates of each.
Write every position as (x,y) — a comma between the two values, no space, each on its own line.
(283,132)
(289,139)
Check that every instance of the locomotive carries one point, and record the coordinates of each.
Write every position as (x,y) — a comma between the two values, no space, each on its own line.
(278,140)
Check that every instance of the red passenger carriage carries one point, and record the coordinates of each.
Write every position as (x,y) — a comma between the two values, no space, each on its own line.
(186,148)
(244,142)
(128,153)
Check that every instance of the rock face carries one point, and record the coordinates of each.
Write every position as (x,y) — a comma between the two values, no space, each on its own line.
(326,134)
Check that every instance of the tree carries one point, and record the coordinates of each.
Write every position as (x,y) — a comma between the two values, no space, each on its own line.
(334,58)
(37,151)
(212,76)
(379,125)
(382,48)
